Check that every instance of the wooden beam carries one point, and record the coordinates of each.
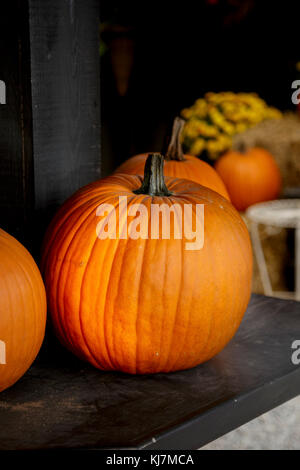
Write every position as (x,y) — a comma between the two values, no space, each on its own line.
(50,121)
(16,164)
(64,41)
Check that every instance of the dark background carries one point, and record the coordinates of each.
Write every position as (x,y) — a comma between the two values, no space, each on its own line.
(181,50)
(50,132)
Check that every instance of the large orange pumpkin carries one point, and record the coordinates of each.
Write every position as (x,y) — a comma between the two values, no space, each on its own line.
(179,165)
(22,310)
(145,305)
(250,177)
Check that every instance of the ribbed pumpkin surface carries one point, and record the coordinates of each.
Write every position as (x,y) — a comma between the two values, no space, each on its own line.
(22,310)
(146,305)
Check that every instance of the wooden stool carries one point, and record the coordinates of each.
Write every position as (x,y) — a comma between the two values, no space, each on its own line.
(283,213)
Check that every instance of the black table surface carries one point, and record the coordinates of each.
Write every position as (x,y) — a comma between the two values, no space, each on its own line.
(64,403)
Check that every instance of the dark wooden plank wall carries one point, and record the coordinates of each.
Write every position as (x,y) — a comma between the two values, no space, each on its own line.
(64,37)
(50,126)
(16,166)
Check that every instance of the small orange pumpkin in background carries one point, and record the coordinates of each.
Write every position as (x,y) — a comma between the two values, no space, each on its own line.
(22,310)
(179,165)
(250,177)
(146,305)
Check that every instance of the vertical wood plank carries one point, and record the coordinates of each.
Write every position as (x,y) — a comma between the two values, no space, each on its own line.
(64,37)
(50,123)
(16,164)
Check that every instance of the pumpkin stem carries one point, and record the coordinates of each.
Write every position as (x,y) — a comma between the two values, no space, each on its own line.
(154,181)
(240,147)
(174,149)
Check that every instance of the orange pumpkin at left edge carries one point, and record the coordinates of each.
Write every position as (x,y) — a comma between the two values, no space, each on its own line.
(22,310)
(139,302)
(179,165)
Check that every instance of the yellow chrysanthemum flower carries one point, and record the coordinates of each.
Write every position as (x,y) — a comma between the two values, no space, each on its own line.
(197,147)
(213,120)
